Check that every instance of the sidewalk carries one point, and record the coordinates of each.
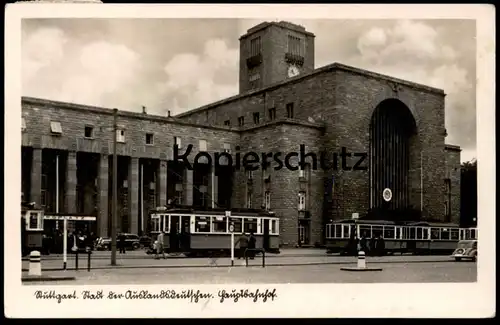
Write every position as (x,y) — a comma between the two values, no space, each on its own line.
(150,262)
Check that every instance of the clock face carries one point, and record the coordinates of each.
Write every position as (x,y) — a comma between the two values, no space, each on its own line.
(293,71)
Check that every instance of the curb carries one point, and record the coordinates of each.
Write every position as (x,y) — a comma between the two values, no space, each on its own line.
(47,278)
(56,258)
(357,269)
(226,266)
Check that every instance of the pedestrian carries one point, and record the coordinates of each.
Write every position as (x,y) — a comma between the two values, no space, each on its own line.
(373,245)
(363,243)
(160,245)
(381,246)
(122,244)
(243,245)
(251,245)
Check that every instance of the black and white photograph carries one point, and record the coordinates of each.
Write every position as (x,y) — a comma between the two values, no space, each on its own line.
(212,159)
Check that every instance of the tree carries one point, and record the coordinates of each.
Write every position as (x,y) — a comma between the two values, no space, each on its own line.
(468,194)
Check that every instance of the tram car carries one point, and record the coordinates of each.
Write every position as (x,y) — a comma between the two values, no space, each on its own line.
(207,232)
(32,235)
(414,237)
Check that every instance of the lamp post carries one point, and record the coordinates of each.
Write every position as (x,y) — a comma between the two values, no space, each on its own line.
(115,189)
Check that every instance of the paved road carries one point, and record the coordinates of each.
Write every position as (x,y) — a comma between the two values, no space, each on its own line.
(179,262)
(394,272)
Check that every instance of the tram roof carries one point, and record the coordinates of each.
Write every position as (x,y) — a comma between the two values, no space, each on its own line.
(215,211)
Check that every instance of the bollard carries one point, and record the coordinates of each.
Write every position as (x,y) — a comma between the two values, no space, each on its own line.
(361,260)
(35,264)
(89,251)
(76,260)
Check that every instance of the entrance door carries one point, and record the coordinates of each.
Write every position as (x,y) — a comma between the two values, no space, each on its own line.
(184,238)
(304,232)
(174,233)
(266,242)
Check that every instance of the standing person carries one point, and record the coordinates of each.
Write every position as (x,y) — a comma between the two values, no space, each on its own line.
(363,243)
(381,246)
(243,242)
(251,245)
(122,244)
(160,245)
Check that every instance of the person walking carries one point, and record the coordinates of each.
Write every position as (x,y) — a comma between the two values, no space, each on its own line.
(122,244)
(243,245)
(160,248)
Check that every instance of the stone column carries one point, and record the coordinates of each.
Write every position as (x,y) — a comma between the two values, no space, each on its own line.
(162,183)
(71,182)
(103,215)
(35,194)
(188,187)
(133,195)
(213,188)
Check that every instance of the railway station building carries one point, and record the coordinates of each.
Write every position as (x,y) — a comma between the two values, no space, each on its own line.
(391,131)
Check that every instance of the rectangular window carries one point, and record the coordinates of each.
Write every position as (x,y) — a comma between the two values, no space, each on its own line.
(155,223)
(35,221)
(295,45)
(289,110)
(178,196)
(227,147)
(255,46)
(256,118)
(267,200)
(55,127)
(249,174)
(23,124)
(120,136)
(219,224)
(274,227)
(237,223)
(203,145)
(241,121)
(227,122)
(272,114)
(301,173)
(178,142)
(149,138)
(249,200)
(89,132)
(302,201)
(250,225)
(201,224)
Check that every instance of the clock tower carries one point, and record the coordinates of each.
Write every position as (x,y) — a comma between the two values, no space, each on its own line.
(272,52)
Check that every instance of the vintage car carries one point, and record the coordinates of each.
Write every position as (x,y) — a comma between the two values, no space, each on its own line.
(466,250)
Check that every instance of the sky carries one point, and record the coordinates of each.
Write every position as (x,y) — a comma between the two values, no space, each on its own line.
(181,64)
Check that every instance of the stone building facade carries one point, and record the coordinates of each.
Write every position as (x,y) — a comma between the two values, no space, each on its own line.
(396,126)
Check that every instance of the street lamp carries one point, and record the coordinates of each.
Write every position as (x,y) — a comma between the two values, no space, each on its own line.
(115,189)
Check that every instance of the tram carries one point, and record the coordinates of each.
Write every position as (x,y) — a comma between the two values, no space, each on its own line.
(414,237)
(207,232)
(31,229)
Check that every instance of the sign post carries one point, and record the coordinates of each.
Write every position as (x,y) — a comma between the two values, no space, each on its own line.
(65,242)
(231,230)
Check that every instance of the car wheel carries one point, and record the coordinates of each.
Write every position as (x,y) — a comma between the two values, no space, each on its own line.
(458,259)
(135,246)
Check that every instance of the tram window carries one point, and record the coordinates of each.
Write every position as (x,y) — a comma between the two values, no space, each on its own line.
(337,231)
(237,224)
(398,233)
(389,232)
(274,227)
(219,224)
(377,230)
(347,232)
(473,234)
(425,233)
(434,233)
(419,233)
(202,224)
(250,225)
(35,221)
(365,231)
(454,234)
(412,233)
(155,223)
(445,234)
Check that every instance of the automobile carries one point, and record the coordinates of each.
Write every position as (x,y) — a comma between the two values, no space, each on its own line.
(466,250)
(132,241)
(103,244)
(145,241)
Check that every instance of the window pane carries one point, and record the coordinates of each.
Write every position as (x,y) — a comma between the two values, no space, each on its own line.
(337,229)
(434,233)
(33,220)
(155,223)
(454,234)
(347,229)
(274,228)
(237,224)
(426,233)
(250,225)
(365,231)
(219,224)
(419,233)
(388,232)
(445,234)
(202,224)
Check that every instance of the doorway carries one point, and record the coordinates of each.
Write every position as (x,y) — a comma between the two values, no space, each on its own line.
(303,232)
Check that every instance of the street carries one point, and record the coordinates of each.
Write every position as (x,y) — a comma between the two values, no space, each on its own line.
(287,268)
